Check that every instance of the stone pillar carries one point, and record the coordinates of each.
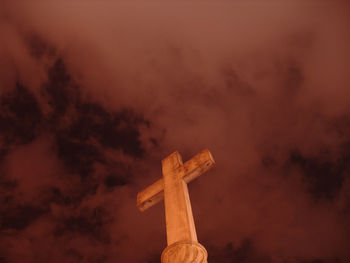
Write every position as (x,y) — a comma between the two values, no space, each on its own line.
(185,252)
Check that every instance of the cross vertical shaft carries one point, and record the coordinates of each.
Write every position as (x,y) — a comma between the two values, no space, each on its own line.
(178,211)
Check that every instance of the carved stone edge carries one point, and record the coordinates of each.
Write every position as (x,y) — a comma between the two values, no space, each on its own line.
(184,252)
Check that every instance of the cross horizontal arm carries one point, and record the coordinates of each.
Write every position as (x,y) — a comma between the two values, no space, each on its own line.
(193,168)
(198,165)
(151,195)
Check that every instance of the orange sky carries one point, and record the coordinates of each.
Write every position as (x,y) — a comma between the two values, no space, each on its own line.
(94,94)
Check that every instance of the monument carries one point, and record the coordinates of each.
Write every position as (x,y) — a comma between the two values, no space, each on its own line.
(182,240)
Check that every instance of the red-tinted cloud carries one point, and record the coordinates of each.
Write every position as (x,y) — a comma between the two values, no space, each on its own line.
(95,94)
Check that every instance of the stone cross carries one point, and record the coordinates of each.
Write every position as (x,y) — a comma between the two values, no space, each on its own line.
(181,233)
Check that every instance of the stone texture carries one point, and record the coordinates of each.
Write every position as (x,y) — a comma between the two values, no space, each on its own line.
(180,227)
(185,252)
(193,168)
(178,211)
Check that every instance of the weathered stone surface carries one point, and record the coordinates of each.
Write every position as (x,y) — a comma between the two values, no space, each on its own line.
(193,168)
(180,227)
(185,252)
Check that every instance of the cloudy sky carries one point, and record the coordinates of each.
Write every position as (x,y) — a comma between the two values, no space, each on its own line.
(94,94)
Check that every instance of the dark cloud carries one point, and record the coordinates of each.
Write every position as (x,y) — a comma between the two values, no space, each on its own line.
(38,47)
(87,223)
(19,217)
(20,116)
(79,133)
(60,90)
(245,252)
(325,178)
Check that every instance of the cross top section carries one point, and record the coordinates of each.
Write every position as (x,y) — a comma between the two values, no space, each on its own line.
(173,188)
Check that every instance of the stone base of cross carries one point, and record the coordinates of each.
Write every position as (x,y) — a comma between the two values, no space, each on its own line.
(185,252)
(182,241)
